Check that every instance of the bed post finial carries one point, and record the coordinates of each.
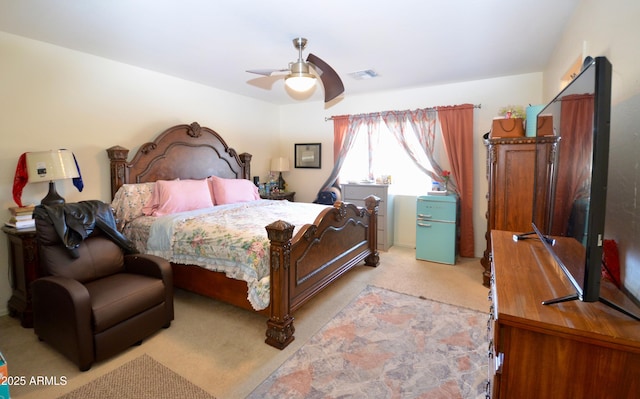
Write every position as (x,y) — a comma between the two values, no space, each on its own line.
(118,160)
(246,160)
(195,130)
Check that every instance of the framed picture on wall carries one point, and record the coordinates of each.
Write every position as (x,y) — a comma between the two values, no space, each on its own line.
(308,155)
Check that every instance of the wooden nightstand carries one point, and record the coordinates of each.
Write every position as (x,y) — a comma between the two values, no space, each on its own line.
(286,195)
(23,266)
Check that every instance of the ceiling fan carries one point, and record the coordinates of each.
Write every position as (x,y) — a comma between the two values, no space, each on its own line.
(298,77)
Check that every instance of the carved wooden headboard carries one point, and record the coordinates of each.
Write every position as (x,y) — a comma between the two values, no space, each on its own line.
(182,151)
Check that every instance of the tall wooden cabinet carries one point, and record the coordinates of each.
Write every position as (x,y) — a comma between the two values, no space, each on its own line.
(577,350)
(510,175)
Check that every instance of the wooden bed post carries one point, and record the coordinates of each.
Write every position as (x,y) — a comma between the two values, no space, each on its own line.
(118,157)
(245,157)
(280,327)
(372,202)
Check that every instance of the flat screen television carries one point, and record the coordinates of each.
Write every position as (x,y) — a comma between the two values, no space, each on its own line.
(569,213)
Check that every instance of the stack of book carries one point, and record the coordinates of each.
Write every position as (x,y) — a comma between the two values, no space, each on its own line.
(21,218)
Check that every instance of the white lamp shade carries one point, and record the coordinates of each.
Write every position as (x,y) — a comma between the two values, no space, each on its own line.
(300,82)
(280,164)
(51,165)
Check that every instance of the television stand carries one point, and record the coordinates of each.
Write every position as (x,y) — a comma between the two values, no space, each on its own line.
(568,298)
(575,297)
(618,308)
(532,234)
(572,350)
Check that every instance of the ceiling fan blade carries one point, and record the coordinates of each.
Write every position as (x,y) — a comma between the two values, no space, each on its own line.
(332,83)
(269,72)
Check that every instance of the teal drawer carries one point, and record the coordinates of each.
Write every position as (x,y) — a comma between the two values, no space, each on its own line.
(437,208)
(436,241)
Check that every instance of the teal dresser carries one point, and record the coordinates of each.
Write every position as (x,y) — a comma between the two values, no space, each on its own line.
(437,228)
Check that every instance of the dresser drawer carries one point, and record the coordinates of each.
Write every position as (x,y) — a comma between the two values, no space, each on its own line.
(363,191)
(355,193)
(358,202)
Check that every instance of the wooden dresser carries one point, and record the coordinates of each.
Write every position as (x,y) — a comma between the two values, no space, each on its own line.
(356,193)
(568,350)
(510,175)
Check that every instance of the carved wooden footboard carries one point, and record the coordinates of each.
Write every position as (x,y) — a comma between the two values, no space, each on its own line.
(302,266)
(340,238)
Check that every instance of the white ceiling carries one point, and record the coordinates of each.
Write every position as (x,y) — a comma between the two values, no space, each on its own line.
(409,43)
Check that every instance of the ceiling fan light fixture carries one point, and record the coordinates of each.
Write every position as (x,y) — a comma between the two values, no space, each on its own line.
(300,81)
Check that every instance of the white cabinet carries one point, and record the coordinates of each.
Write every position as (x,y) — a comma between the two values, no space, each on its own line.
(356,193)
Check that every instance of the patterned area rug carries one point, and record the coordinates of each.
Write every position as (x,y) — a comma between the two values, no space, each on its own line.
(141,378)
(388,345)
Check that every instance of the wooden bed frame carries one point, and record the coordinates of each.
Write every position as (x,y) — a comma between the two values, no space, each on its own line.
(301,266)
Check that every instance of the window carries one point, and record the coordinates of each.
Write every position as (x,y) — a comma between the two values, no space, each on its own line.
(388,158)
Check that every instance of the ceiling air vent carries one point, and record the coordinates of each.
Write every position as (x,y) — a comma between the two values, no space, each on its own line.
(364,74)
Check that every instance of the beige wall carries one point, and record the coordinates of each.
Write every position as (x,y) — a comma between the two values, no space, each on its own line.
(599,28)
(611,29)
(51,97)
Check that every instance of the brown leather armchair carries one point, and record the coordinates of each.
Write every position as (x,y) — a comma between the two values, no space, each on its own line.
(96,300)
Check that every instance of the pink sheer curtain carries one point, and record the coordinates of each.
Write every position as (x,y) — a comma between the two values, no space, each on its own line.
(457,130)
(340,128)
(345,128)
(422,123)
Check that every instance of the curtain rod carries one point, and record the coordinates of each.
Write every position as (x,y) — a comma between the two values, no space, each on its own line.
(330,118)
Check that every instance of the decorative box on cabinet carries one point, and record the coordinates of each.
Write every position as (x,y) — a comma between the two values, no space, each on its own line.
(23,268)
(510,174)
(356,193)
(577,350)
(437,228)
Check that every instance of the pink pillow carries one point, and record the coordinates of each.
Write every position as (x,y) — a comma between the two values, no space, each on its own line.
(230,191)
(174,196)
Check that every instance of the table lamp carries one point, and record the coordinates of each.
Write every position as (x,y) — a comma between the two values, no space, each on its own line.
(280,164)
(51,166)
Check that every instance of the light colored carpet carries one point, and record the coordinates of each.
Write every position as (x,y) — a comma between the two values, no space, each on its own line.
(141,378)
(221,348)
(388,345)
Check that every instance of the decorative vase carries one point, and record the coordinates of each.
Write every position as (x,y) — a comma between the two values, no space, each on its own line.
(444,185)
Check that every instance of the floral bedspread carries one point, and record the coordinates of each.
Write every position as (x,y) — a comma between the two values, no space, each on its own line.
(227,238)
